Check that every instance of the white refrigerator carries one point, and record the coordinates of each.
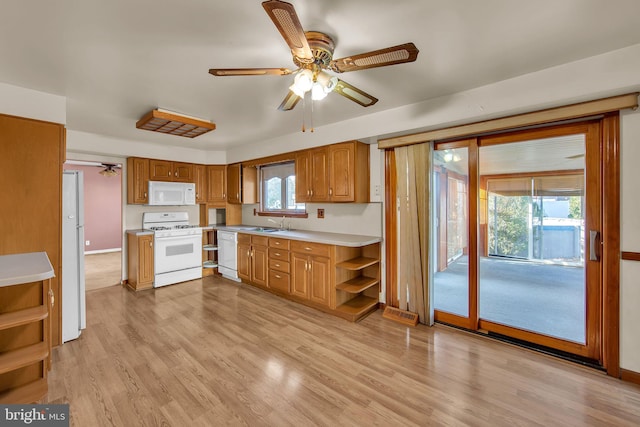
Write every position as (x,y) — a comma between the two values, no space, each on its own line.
(73,289)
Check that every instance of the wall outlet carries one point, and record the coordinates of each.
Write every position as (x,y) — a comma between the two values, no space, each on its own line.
(320,213)
(87,243)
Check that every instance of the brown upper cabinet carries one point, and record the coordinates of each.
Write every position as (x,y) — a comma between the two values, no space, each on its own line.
(242,184)
(200,179)
(137,180)
(217,185)
(164,170)
(312,175)
(334,173)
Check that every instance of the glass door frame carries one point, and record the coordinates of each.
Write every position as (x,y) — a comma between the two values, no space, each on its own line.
(593,348)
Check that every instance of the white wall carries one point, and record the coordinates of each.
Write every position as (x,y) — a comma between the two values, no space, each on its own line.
(349,218)
(21,102)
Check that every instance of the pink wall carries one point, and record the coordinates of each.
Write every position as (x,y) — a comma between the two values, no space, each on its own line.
(102,208)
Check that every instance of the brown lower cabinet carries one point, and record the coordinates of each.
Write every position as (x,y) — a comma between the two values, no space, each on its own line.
(252,259)
(344,281)
(140,261)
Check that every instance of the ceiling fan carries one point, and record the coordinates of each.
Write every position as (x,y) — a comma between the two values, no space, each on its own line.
(312,53)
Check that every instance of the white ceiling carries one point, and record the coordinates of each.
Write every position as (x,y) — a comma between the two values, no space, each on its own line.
(115,60)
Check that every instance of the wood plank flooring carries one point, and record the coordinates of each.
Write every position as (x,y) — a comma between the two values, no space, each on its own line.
(102,270)
(212,352)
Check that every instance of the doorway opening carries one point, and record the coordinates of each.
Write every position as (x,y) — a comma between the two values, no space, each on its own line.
(102,222)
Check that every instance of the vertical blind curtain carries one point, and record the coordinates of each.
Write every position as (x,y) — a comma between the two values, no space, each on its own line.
(413,173)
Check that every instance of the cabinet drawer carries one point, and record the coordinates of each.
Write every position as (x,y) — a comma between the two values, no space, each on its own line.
(274,242)
(310,248)
(276,264)
(244,238)
(279,281)
(280,254)
(259,240)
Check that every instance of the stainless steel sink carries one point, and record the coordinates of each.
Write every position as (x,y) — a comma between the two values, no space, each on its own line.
(265,229)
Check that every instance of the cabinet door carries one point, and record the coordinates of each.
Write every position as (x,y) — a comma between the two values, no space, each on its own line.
(342,173)
(145,260)
(319,280)
(233,183)
(200,178)
(319,161)
(137,180)
(259,264)
(244,261)
(182,172)
(303,184)
(217,184)
(160,170)
(299,275)
(249,182)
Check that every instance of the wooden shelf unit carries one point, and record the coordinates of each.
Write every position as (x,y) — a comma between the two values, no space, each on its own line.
(25,327)
(357,281)
(209,252)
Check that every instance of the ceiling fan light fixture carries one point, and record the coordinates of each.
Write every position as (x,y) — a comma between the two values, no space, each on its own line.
(108,171)
(318,92)
(327,81)
(303,82)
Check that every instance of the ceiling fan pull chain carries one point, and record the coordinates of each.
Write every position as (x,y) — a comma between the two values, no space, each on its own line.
(311,118)
(303,112)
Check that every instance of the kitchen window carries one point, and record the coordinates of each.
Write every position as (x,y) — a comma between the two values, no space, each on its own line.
(278,189)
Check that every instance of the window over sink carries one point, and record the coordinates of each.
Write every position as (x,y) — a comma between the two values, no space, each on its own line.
(278,190)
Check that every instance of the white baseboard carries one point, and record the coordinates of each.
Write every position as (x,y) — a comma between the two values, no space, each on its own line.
(103,251)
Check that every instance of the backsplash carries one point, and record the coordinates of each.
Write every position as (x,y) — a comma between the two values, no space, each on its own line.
(349,218)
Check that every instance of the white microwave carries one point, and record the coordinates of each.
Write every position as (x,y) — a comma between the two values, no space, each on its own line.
(171,193)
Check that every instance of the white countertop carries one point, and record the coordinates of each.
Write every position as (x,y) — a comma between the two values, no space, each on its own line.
(139,231)
(338,239)
(24,268)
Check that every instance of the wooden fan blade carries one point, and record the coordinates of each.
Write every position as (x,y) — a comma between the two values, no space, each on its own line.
(407,52)
(249,71)
(354,94)
(289,102)
(286,20)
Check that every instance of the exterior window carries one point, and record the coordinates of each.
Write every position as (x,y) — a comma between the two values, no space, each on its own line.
(278,189)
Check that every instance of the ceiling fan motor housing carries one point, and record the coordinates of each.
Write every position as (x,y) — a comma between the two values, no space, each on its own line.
(322,48)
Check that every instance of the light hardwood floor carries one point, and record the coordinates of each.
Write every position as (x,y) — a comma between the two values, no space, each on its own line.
(213,353)
(102,270)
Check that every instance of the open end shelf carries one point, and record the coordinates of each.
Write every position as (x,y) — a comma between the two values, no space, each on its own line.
(358,306)
(29,392)
(16,359)
(23,317)
(210,248)
(357,284)
(357,263)
(210,264)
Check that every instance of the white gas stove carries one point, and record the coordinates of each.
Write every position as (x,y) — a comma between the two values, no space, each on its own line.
(177,247)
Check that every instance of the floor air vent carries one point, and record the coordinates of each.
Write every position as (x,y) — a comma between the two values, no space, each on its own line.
(400,316)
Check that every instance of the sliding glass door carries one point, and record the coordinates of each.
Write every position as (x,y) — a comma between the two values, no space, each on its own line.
(517,223)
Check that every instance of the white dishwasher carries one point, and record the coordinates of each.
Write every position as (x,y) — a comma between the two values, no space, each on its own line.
(228,254)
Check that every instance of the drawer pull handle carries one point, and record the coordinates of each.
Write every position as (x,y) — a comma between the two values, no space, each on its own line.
(278,276)
(277,265)
(277,253)
(307,248)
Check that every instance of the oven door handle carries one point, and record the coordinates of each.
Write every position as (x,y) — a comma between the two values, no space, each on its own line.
(166,238)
